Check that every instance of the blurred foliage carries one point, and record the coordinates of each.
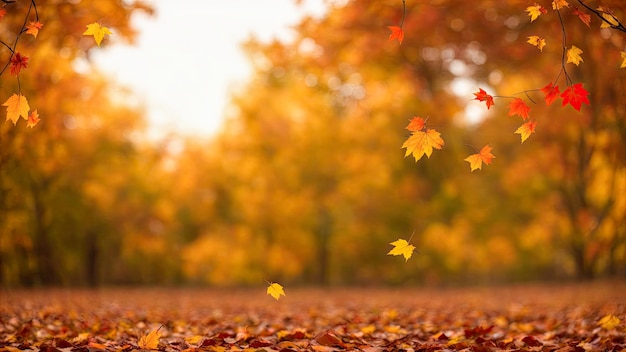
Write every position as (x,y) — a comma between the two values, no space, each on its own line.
(307,182)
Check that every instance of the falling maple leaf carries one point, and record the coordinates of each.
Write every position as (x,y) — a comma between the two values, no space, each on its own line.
(519,107)
(609,322)
(575,95)
(150,341)
(33,119)
(537,41)
(551,93)
(559,4)
(275,290)
(585,17)
(573,55)
(403,248)
(526,129)
(623,53)
(98,31)
(416,124)
(33,28)
(481,95)
(420,143)
(18,62)
(17,105)
(396,33)
(484,156)
(535,11)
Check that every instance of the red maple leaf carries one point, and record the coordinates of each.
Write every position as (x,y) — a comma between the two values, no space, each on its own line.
(575,95)
(416,124)
(481,95)
(3,12)
(585,17)
(17,63)
(519,107)
(396,33)
(551,92)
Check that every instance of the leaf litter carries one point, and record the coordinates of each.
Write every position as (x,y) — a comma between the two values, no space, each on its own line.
(550,317)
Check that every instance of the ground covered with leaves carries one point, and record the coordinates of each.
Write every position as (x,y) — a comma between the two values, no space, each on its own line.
(549,317)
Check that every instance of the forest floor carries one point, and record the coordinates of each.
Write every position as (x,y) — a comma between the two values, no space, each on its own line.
(534,317)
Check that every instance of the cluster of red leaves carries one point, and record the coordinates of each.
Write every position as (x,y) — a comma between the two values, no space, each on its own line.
(530,318)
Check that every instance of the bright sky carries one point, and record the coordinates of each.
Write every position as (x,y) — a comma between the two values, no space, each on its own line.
(188,56)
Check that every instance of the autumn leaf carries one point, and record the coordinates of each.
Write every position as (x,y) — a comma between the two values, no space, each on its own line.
(551,93)
(396,33)
(519,107)
(275,290)
(537,41)
(535,11)
(33,119)
(575,95)
(559,4)
(623,53)
(17,106)
(150,341)
(416,124)
(18,62)
(420,143)
(585,17)
(33,28)
(403,248)
(526,129)
(609,322)
(573,55)
(484,156)
(3,12)
(98,32)
(481,95)
(608,19)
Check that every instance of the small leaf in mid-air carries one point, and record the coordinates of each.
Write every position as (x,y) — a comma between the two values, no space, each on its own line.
(483,156)
(275,290)
(17,106)
(396,33)
(421,143)
(519,107)
(150,341)
(403,248)
(526,129)
(481,95)
(33,119)
(537,41)
(33,28)
(98,31)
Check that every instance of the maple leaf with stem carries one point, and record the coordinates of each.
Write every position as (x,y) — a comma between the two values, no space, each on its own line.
(416,124)
(573,55)
(559,4)
(98,31)
(150,341)
(17,105)
(551,93)
(396,33)
(519,107)
(575,95)
(535,11)
(483,156)
(526,129)
(585,17)
(33,28)
(33,119)
(609,20)
(18,62)
(275,290)
(421,143)
(537,41)
(623,53)
(481,95)
(403,248)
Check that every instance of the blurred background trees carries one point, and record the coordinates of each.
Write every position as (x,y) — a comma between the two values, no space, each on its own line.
(307,183)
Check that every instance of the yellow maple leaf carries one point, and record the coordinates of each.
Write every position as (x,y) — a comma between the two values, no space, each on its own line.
(150,341)
(609,322)
(422,143)
(535,11)
(403,248)
(483,156)
(98,32)
(537,41)
(526,129)
(608,19)
(573,55)
(17,106)
(623,53)
(559,4)
(275,290)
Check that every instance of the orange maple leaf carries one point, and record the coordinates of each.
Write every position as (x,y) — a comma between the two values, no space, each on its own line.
(575,95)
(551,93)
(396,33)
(484,156)
(421,143)
(150,341)
(17,106)
(33,119)
(519,107)
(416,124)
(481,95)
(559,4)
(18,62)
(526,129)
(33,28)
(585,17)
